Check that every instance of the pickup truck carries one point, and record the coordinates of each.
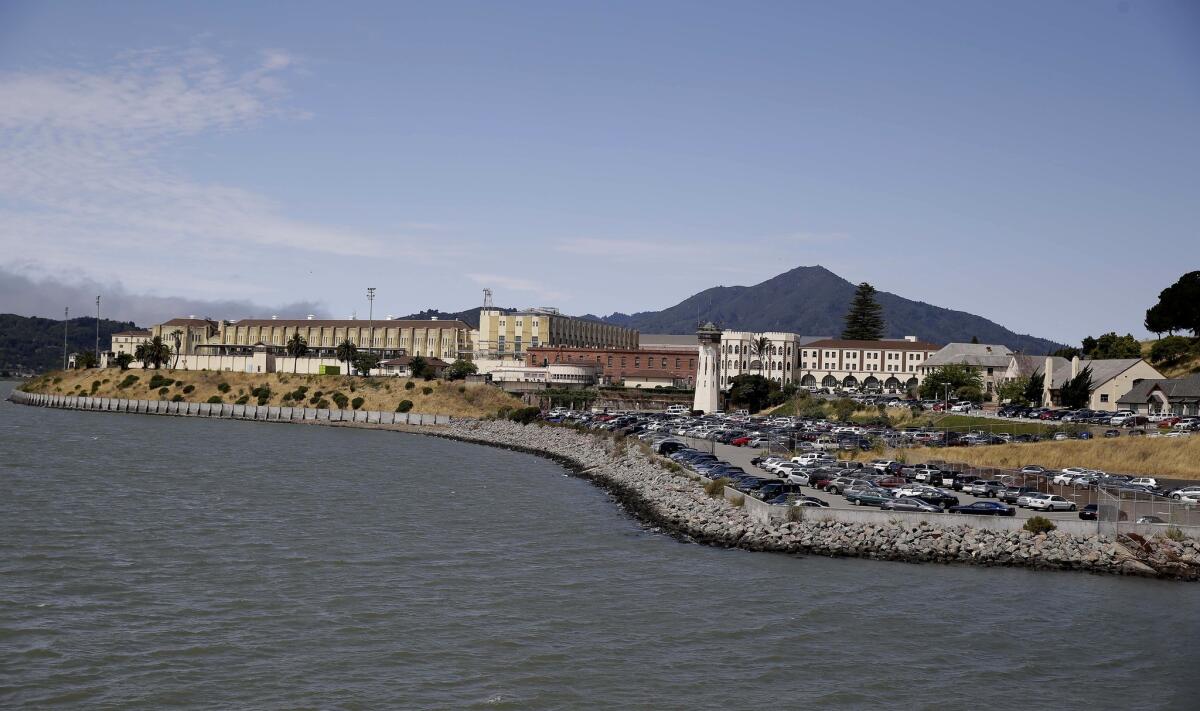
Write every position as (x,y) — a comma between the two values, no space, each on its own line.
(921,472)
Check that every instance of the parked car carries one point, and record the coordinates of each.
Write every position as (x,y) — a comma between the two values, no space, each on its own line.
(842,483)
(1150,520)
(909,504)
(1051,502)
(1013,493)
(984,508)
(1089,512)
(984,488)
(1145,481)
(868,496)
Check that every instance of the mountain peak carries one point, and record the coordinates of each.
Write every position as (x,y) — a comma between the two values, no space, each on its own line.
(811,300)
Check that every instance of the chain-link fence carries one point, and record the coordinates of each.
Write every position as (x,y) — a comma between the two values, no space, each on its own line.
(1135,512)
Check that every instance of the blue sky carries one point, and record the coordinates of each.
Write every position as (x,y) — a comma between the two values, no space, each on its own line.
(1035,163)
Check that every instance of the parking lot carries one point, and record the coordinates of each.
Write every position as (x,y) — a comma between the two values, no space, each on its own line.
(741,457)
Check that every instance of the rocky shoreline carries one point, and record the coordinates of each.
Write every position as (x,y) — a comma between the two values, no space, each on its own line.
(676,503)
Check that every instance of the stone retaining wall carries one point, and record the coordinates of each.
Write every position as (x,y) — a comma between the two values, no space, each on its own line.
(226,410)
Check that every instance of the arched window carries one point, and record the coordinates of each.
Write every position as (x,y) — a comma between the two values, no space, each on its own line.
(808,380)
(829,382)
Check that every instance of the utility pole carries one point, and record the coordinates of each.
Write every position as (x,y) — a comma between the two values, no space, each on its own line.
(371,316)
(66,315)
(97,331)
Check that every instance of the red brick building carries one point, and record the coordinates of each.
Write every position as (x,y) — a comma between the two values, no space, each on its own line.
(644,368)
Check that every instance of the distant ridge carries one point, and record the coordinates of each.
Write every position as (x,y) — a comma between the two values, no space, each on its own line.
(812,301)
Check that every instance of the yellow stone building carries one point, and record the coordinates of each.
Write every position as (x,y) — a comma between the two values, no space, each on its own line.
(506,336)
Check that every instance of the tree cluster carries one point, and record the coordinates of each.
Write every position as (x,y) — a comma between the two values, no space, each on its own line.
(962,382)
(755,392)
(1178,307)
(153,352)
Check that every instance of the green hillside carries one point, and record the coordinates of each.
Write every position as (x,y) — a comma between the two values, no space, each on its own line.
(32,344)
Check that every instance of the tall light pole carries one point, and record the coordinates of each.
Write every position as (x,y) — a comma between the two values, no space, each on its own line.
(66,315)
(371,313)
(97,331)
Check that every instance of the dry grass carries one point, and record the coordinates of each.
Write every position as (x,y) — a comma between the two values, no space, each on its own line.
(1183,369)
(1173,458)
(381,393)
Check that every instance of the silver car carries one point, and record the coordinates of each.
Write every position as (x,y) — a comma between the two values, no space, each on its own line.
(1051,502)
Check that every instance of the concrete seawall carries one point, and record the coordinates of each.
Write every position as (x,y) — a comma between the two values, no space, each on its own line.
(226,410)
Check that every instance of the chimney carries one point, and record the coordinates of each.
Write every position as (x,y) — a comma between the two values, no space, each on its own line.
(1074,367)
(310,317)
(433,318)
(1048,381)
(274,317)
(911,339)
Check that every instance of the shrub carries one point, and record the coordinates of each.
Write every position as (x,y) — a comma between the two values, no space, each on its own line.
(157,381)
(426,391)
(462,389)
(263,393)
(341,400)
(410,385)
(242,400)
(525,415)
(356,403)
(214,400)
(716,487)
(129,380)
(287,397)
(177,398)
(96,385)
(1170,350)
(1175,534)
(57,380)
(404,406)
(502,413)
(1039,524)
(188,389)
(163,392)
(739,500)
(223,387)
(322,404)
(314,399)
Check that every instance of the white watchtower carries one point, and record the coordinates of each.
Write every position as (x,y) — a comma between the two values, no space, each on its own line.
(708,369)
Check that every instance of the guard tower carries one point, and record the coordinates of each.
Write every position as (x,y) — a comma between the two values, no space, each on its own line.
(708,369)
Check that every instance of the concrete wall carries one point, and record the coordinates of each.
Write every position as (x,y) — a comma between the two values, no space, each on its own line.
(226,410)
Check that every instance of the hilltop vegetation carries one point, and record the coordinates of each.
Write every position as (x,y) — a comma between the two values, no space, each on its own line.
(284,389)
(32,344)
(1174,458)
(1173,356)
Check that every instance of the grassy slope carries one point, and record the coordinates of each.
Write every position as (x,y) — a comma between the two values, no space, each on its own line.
(377,393)
(1171,458)
(1188,367)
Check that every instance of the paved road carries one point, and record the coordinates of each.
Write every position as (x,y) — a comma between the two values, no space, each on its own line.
(741,456)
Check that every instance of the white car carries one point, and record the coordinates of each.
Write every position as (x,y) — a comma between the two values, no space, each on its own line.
(1051,502)
(1145,481)
(1067,475)
(961,407)
(1187,495)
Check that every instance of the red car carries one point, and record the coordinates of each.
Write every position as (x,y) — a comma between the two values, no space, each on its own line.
(891,482)
(1167,423)
(740,441)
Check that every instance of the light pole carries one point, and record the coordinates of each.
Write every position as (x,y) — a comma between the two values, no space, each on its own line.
(371,317)
(66,314)
(97,331)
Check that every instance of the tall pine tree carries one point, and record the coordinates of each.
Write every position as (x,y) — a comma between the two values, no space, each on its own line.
(864,322)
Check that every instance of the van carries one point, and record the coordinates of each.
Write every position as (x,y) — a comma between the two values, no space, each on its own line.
(677,410)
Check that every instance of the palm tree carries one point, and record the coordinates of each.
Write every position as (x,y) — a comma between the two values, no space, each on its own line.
(153,352)
(761,348)
(297,348)
(346,352)
(142,353)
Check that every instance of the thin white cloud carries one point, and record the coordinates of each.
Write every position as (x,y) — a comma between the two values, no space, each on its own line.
(620,248)
(516,284)
(84,184)
(815,237)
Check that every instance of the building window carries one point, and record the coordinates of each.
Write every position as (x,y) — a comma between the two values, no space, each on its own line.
(1103,397)
(676,364)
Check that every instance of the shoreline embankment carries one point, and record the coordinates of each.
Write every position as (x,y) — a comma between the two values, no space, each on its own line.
(664,496)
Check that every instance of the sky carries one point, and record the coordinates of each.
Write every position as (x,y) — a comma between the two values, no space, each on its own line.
(1035,163)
